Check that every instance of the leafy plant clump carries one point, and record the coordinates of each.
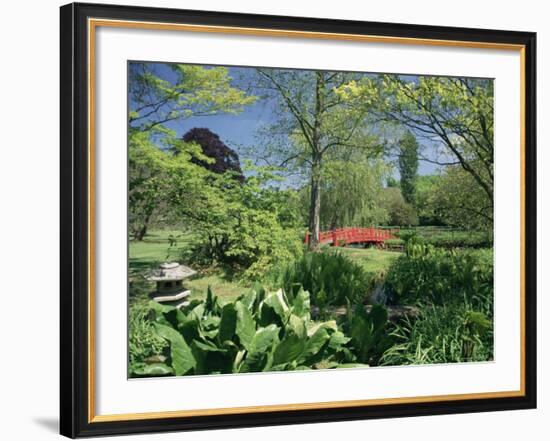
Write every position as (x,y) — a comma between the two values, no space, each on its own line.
(441,334)
(143,343)
(368,333)
(461,239)
(330,277)
(243,227)
(429,275)
(449,239)
(389,243)
(260,331)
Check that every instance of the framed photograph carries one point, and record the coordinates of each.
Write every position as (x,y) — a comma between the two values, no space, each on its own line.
(274,220)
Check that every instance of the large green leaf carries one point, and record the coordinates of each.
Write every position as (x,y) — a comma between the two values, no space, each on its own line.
(246,327)
(198,311)
(259,357)
(228,323)
(237,361)
(212,359)
(249,299)
(207,346)
(182,357)
(277,301)
(368,332)
(267,315)
(188,326)
(338,339)
(315,343)
(329,325)
(289,350)
(297,325)
(264,338)
(361,335)
(158,312)
(159,308)
(301,304)
(209,326)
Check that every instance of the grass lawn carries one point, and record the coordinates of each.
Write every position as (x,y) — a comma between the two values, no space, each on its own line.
(372,260)
(226,290)
(155,248)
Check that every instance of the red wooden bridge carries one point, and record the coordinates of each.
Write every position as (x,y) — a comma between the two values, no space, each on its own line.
(345,236)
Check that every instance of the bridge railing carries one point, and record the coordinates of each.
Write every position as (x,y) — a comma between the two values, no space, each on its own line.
(343,236)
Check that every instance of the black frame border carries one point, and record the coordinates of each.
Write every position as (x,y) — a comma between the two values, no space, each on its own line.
(74,219)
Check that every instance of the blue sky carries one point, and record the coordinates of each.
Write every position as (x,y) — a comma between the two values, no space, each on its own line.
(239,131)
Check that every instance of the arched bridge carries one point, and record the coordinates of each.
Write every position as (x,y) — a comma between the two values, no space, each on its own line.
(349,235)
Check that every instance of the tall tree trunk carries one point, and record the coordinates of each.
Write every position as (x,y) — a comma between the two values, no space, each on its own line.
(315,205)
(141,231)
(140,234)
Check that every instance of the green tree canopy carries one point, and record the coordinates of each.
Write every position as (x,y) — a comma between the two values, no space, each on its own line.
(428,213)
(408,166)
(458,201)
(351,192)
(399,211)
(154,103)
(314,121)
(456,113)
(192,91)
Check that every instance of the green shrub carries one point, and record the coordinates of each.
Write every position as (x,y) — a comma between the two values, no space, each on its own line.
(247,251)
(244,227)
(425,274)
(448,239)
(368,333)
(460,239)
(143,342)
(139,288)
(260,331)
(394,242)
(330,277)
(442,334)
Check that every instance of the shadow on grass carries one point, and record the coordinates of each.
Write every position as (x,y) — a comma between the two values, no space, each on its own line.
(141,265)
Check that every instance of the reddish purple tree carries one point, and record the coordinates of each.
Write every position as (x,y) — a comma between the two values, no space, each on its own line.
(226,159)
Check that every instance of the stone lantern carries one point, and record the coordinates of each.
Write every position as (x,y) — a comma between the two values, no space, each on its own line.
(169,277)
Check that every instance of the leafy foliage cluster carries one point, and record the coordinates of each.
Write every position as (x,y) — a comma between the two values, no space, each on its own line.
(260,331)
(331,278)
(446,238)
(454,289)
(460,239)
(161,179)
(143,341)
(180,92)
(244,227)
(430,275)
(400,212)
(369,333)
(408,166)
(456,111)
(442,334)
(457,114)
(161,166)
(224,158)
(351,192)
(459,201)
